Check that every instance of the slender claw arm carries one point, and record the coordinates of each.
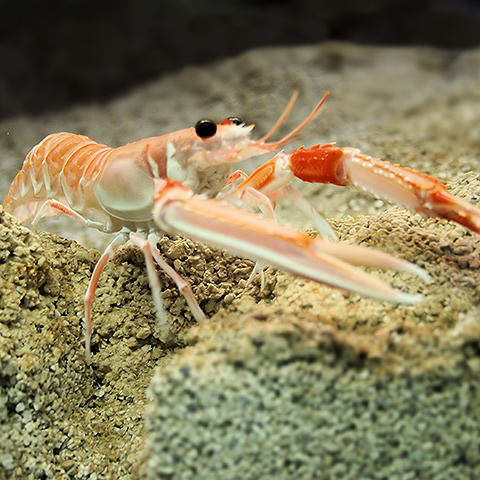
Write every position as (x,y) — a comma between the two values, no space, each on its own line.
(391,182)
(271,181)
(178,210)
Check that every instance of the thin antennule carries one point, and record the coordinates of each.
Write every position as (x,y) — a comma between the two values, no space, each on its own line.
(282,117)
(302,125)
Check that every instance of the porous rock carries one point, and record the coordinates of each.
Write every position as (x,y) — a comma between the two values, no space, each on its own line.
(321,385)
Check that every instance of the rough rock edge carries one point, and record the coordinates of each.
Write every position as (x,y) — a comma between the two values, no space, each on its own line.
(349,389)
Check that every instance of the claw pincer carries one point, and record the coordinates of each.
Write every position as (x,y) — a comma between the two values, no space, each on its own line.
(178,211)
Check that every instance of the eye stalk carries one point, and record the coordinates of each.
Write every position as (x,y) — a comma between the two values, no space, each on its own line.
(232,121)
(205,128)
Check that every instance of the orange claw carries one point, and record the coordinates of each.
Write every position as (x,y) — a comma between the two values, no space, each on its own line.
(390,182)
(319,164)
(452,208)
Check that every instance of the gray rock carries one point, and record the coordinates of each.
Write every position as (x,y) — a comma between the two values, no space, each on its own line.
(287,397)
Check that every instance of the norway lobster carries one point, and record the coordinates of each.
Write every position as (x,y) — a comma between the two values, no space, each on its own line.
(182,182)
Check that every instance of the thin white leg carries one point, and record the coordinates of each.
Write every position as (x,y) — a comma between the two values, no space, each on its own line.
(258,268)
(320,224)
(182,285)
(120,239)
(148,247)
(145,246)
(61,207)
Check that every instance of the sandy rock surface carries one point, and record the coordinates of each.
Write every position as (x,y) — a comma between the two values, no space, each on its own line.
(62,418)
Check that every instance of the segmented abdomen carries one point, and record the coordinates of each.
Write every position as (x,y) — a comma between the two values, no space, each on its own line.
(62,166)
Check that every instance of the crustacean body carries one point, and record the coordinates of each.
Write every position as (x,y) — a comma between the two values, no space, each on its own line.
(182,183)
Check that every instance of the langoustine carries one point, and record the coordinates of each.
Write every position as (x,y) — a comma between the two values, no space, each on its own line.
(174,184)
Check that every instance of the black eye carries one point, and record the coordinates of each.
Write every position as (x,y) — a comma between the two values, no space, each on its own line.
(205,128)
(236,120)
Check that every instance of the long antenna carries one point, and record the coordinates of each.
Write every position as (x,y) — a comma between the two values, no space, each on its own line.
(282,117)
(302,125)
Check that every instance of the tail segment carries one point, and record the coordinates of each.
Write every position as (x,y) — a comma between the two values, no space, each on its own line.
(58,167)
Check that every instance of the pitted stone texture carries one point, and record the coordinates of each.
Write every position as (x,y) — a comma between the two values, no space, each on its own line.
(283,398)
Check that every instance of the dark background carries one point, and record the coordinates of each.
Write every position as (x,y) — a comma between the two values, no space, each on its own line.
(56,53)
